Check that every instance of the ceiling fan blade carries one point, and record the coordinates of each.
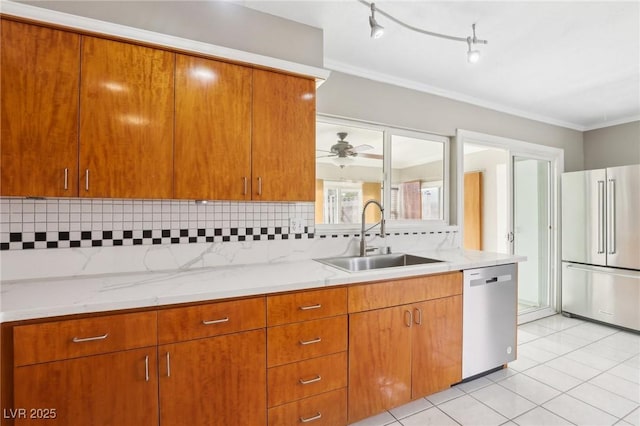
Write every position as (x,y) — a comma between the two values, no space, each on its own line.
(363,147)
(326,156)
(374,156)
(322,150)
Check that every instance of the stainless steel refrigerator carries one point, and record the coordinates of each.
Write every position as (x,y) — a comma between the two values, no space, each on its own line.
(601,245)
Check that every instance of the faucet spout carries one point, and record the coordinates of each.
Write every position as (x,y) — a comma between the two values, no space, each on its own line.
(363,244)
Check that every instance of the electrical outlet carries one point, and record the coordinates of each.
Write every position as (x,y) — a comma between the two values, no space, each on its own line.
(296,225)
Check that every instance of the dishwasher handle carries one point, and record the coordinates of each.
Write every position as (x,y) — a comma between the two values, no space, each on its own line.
(496,279)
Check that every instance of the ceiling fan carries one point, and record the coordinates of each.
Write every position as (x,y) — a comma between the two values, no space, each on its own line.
(344,150)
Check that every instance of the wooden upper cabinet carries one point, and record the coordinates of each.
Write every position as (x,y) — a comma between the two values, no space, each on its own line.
(283,147)
(213,130)
(126,120)
(39,108)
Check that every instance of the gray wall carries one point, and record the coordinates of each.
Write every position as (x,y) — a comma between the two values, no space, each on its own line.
(216,22)
(355,97)
(612,146)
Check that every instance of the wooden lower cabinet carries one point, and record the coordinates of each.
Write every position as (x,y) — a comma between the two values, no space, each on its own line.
(401,353)
(214,381)
(119,388)
(326,409)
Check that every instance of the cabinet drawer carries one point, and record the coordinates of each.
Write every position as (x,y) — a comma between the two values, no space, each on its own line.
(306,305)
(328,409)
(193,322)
(402,291)
(304,340)
(58,340)
(306,378)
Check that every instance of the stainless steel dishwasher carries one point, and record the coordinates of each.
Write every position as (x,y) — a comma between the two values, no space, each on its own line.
(489,320)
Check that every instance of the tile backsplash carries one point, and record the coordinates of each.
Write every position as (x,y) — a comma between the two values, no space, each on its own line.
(63,223)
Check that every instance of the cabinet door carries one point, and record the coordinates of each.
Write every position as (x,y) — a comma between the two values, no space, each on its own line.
(126,120)
(120,388)
(39,108)
(436,345)
(214,381)
(283,147)
(213,130)
(379,361)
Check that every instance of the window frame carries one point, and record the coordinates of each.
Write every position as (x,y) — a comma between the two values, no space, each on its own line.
(393,225)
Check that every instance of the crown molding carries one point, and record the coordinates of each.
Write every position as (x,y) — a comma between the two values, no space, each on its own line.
(421,87)
(612,123)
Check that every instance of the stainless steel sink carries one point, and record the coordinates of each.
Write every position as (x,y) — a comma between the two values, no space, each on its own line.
(367,263)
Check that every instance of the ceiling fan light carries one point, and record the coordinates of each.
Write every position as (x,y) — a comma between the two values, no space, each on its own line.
(343,161)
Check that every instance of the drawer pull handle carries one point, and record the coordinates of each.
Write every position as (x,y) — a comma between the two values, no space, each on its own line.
(310,419)
(168,365)
(308,308)
(408,318)
(310,342)
(89,339)
(307,382)
(146,368)
(218,321)
(418,318)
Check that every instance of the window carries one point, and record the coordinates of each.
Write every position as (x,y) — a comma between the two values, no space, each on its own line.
(404,170)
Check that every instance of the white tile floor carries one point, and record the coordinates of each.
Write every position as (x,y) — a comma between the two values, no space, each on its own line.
(568,372)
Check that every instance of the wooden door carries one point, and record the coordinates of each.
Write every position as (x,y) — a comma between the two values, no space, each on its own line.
(473,211)
(119,388)
(39,108)
(379,361)
(214,381)
(283,146)
(213,130)
(126,120)
(436,345)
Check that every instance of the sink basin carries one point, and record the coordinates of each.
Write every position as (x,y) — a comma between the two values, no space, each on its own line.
(367,263)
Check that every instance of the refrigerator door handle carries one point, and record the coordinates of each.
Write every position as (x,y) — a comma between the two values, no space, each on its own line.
(611,210)
(601,217)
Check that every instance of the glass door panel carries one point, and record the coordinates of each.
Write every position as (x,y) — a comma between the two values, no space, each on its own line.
(532,230)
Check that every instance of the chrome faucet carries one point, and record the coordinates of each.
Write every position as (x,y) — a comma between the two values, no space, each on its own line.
(363,244)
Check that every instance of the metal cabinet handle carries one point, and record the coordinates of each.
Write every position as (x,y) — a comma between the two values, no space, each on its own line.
(310,419)
(168,365)
(66,178)
(218,321)
(314,380)
(86,179)
(146,368)
(244,185)
(612,216)
(310,307)
(601,215)
(259,185)
(408,318)
(89,339)
(310,342)
(418,318)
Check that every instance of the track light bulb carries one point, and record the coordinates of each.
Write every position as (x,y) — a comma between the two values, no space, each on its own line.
(377,30)
(473,56)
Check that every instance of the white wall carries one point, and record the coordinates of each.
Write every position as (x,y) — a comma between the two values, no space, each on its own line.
(612,146)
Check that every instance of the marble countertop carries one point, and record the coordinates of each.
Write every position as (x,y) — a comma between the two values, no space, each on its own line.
(29,299)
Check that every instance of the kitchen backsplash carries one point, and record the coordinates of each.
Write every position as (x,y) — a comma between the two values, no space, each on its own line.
(93,237)
(69,223)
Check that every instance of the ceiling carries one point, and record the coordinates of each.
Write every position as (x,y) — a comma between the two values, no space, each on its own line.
(574,64)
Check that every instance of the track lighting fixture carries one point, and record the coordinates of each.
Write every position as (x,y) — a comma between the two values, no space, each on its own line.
(377,31)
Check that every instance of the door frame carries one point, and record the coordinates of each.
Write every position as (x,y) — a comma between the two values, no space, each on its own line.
(519,148)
